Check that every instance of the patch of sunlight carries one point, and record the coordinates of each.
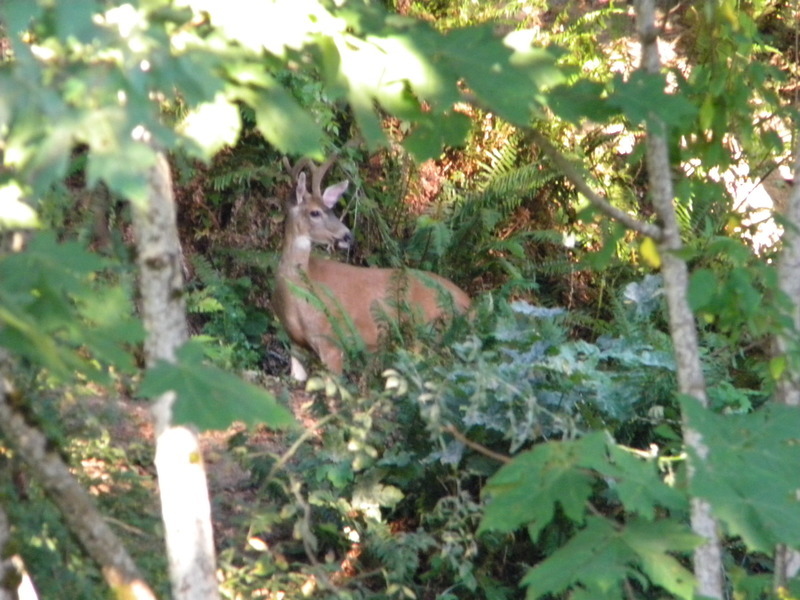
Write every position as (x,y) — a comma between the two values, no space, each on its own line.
(272,25)
(14,213)
(125,17)
(390,60)
(212,124)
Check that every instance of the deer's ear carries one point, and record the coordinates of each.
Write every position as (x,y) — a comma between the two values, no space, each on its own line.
(300,190)
(332,193)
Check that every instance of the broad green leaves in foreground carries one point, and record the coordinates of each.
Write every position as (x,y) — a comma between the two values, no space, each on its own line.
(603,554)
(751,476)
(60,309)
(102,74)
(529,490)
(209,397)
(64,309)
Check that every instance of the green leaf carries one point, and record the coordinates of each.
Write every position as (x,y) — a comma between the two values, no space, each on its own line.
(485,62)
(65,266)
(596,557)
(602,555)
(21,334)
(750,476)
(55,310)
(432,134)
(526,491)
(125,168)
(654,543)
(211,398)
(283,121)
(636,481)
(18,15)
(702,288)
(74,19)
(581,100)
(643,97)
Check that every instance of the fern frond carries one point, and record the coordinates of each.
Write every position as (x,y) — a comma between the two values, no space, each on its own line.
(502,162)
(237,177)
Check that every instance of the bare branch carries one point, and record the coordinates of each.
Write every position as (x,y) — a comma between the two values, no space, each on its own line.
(571,171)
(451,429)
(574,175)
(76,506)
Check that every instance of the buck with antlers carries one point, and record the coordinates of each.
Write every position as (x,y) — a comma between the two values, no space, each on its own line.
(321,301)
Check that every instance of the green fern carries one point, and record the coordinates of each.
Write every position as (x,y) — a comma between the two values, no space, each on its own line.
(230,325)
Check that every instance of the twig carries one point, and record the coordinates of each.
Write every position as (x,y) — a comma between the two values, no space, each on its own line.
(286,456)
(451,429)
(571,171)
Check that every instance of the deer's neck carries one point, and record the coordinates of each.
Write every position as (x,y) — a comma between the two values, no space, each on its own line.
(295,255)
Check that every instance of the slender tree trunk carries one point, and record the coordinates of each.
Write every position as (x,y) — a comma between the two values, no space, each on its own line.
(185,506)
(683,330)
(787,560)
(76,506)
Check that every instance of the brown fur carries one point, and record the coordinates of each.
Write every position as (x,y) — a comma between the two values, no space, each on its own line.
(361,292)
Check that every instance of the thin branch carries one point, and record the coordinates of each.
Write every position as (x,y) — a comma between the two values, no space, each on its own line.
(287,456)
(451,429)
(573,173)
(75,505)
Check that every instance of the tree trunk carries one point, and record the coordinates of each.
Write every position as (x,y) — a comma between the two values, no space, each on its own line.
(185,506)
(683,330)
(787,560)
(75,505)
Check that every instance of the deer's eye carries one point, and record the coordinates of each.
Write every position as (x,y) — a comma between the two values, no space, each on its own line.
(315,214)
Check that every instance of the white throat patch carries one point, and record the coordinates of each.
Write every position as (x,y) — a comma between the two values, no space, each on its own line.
(302,242)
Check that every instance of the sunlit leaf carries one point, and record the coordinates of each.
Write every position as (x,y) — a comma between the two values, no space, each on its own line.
(649,251)
(14,213)
(212,125)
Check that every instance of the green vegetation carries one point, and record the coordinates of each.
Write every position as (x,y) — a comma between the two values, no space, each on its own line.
(535,449)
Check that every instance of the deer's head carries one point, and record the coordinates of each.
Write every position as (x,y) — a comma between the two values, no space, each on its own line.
(310,215)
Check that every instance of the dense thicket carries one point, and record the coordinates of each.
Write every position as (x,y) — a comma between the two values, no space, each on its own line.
(538,448)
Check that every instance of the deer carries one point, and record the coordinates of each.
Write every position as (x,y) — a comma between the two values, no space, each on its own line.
(317,299)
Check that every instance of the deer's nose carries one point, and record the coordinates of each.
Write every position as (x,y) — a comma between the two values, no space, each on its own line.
(345,241)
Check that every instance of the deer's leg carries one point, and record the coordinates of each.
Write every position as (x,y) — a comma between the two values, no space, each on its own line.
(297,370)
(330,354)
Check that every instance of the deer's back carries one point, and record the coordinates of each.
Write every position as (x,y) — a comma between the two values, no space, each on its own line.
(366,293)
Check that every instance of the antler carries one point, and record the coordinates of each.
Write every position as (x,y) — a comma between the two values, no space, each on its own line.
(295,170)
(317,172)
